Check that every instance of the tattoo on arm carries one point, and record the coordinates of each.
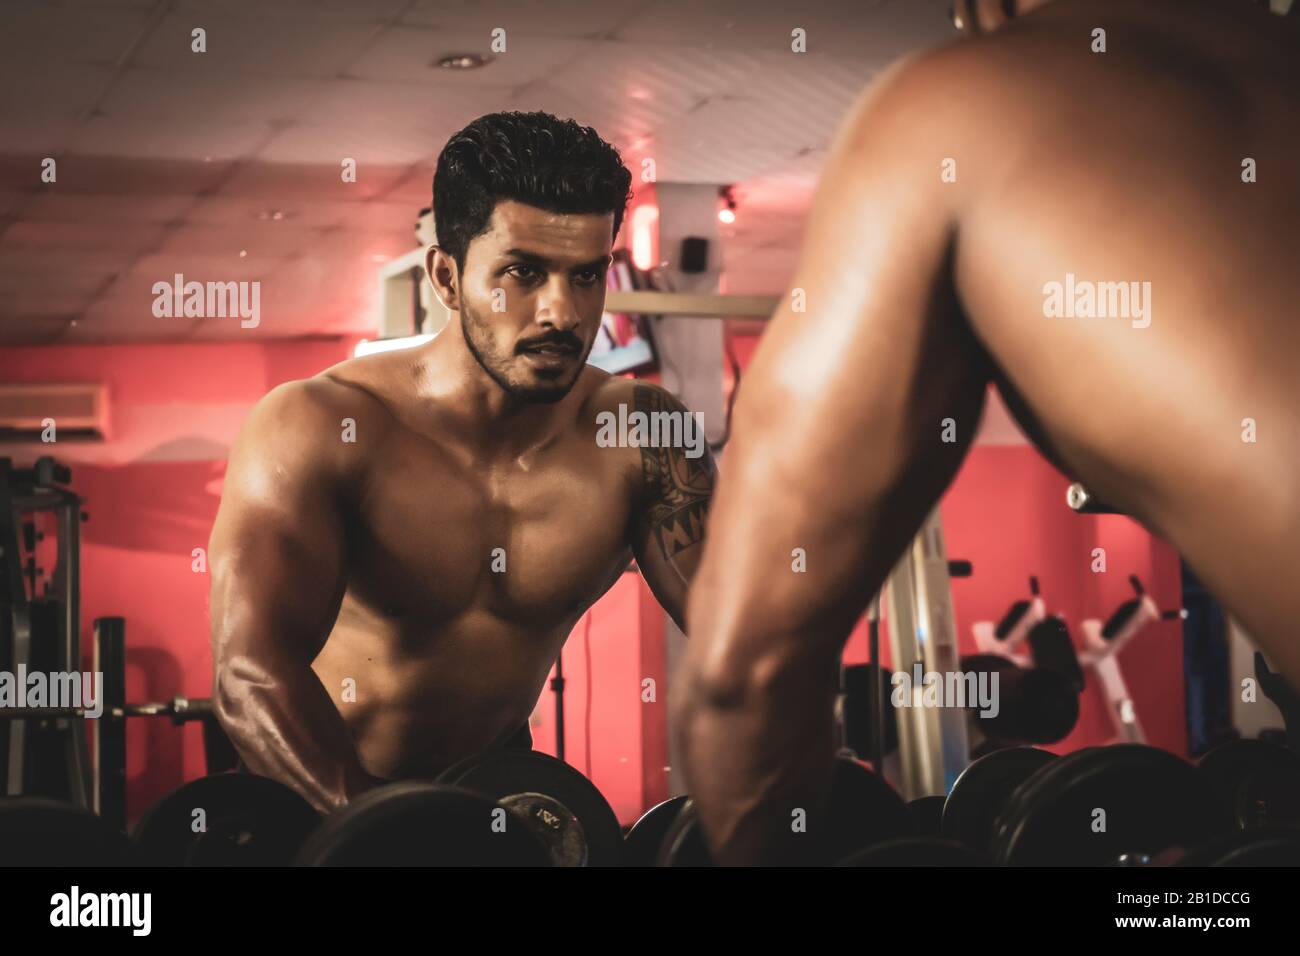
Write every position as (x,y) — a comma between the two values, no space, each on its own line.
(677,487)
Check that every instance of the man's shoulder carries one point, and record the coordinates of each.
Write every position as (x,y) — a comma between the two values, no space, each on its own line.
(610,392)
(332,420)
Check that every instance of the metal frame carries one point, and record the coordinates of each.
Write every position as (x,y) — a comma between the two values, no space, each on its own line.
(932,742)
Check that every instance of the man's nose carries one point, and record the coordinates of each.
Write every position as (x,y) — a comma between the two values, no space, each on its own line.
(556,307)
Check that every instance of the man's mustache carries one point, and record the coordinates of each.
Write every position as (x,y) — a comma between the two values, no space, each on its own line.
(566,341)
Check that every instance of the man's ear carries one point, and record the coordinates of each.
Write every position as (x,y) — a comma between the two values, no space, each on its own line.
(444,275)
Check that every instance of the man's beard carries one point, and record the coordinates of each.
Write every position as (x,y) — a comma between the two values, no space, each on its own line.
(546,393)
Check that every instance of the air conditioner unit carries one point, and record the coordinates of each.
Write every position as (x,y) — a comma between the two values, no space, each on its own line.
(78,410)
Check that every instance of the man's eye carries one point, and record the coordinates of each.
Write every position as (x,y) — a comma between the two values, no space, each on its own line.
(522,272)
(590,277)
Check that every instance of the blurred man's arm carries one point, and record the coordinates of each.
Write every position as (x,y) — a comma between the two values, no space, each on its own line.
(836,457)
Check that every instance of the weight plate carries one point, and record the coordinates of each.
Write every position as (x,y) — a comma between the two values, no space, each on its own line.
(246,820)
(983,789)
(501,773)
(1149,800)
(553,823)
(642,843)
(423,824)
(927,814)
(1269,797)
(1277,847)
(1230,765)
(35,831)
(863,810)
(916,851)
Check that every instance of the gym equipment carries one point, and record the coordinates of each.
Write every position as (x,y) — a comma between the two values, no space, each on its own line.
(928,851)
(46,751)
(1276,847)
(1255,781)
(36,831)
(1283,696)
(1021,616)
(932,741)
(1093,806)
(107,752)
(641,845)
(41,630)
(556,801)
(229,819)
(927,814)
(1036,705)
(983,789)
(865,690)
(1052,648)
(862,810)
(1085,503)
(423,824)
(1102,643)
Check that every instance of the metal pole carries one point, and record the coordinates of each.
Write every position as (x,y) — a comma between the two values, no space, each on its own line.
(110,732)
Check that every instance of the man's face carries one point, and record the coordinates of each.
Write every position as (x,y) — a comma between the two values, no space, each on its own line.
(531,297)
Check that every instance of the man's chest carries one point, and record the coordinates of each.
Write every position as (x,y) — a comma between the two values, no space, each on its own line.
(531,542)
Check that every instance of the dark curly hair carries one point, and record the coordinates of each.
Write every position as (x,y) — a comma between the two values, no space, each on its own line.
(533,158)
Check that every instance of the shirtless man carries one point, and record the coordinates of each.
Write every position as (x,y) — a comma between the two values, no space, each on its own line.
(426,526)
(1168,159)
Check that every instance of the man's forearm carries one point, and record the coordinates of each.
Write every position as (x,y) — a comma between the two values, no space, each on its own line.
(759,757)
(284,725)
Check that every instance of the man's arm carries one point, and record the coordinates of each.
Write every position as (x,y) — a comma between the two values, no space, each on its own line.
(836,457)
(278,577)
(676,486)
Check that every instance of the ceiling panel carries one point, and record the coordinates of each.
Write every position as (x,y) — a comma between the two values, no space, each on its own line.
(171,161)
(255,43)
(38,32)
(19,329)
(553,18)
(409,54)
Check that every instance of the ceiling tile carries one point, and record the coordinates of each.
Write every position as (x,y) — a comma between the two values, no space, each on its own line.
(41,32)
(54,205)
(286,183)
(579,18)
(117,175)
(81,235)
(32,329)
(408,54)
(254,43)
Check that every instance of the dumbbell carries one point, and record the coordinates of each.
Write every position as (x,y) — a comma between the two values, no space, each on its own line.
(862,810)
(504,807)
(1256,782)
(983,789)
(1098,805)
(35,831)
(227,819)
(927,814)
(641,845)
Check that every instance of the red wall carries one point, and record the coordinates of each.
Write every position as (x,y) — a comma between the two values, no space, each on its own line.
(152,494)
